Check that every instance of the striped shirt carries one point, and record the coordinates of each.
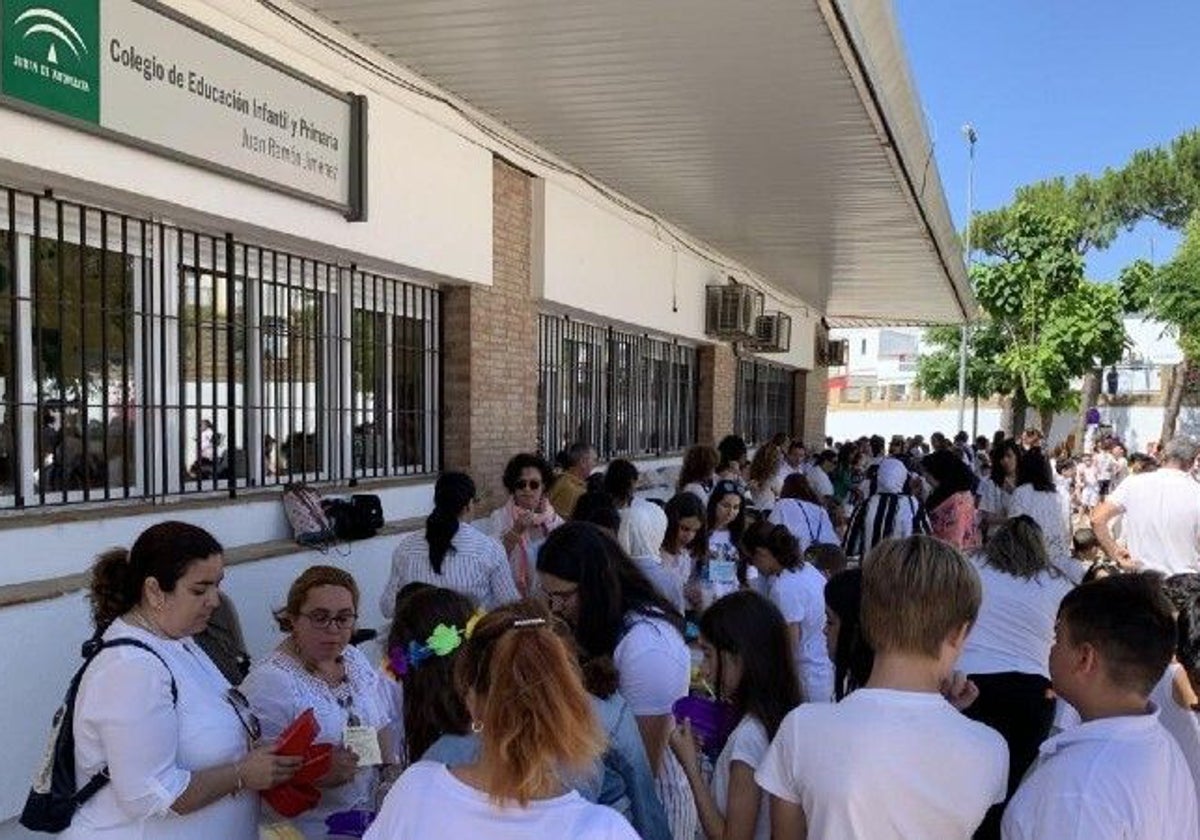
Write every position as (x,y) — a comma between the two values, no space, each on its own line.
(475,566)
(881,517)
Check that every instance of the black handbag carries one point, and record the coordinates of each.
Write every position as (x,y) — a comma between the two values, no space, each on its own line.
(358,518)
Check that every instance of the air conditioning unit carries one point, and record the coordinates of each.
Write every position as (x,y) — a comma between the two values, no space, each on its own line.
(732,312)
(772,333)
(837,353)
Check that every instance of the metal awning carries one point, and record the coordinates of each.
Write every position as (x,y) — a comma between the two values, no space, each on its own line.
(786,134)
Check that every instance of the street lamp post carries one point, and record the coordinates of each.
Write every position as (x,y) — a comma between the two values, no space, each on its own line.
(968,131)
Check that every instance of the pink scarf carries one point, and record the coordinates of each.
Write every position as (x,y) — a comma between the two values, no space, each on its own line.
(545,520)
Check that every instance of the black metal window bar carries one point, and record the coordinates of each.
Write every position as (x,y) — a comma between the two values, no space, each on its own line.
(764,397)
(139,360)
(627,394)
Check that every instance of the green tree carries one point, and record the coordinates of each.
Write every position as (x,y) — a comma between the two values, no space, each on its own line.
(1174,299)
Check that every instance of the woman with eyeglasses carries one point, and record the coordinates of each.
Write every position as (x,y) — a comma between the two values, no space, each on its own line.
(157,713)
(451,552)
(316,667)
(523,523)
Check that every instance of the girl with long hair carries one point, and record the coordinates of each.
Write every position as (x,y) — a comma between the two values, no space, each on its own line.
(521,686)
(803,514)
(765,484)
(725,522)
(1037,496)
(614,611)
(686,539)
(852,656)
(451,552)
(747,659)
(697,471)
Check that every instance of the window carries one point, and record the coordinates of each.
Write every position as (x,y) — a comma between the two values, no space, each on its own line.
(763,400)
(627,394)
(141,359)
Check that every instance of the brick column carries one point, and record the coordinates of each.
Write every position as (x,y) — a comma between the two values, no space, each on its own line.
(718,389)
(490,364)
(812,399)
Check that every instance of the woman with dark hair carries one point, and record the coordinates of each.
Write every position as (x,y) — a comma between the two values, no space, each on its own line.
(598,508)
(620,479)
(523,523)
(1175,695)
(852,656)
(315,667)
(686,538)
(733,454)
(1007,653)
(996,488)
(535,724)
(799,510)
(725,520)
(452,553)
(614,611)
(1037,496)
(747,659)
(697,471)
(950,504)
(798,590)
(154,714)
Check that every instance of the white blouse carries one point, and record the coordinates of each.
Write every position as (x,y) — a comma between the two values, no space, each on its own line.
(125,718)
(280,689)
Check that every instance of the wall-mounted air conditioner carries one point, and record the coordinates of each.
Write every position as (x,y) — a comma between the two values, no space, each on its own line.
(772,333)
(732,312)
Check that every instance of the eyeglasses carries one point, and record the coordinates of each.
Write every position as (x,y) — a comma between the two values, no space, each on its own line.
(558,600)
(532,484)
(322,619)
(249,720)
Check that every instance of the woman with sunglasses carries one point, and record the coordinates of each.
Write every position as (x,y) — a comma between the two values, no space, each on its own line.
(155,711)
(316,667)
(524,522)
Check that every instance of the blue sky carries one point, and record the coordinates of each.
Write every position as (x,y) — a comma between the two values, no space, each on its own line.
(1053,87)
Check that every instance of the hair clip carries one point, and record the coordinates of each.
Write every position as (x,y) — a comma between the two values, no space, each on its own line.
(528,622)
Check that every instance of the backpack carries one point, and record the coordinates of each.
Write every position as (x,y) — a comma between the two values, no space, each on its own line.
(310,524)
(53,797)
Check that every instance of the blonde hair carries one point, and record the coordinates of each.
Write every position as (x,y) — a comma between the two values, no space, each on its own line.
(536,717)
(916,592)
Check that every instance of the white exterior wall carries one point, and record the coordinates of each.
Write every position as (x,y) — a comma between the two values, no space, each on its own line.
(602,260)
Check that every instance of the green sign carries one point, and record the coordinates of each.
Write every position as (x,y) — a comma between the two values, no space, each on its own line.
(51,54)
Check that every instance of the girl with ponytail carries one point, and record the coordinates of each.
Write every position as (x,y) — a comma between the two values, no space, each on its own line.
(522,688)
(452,553)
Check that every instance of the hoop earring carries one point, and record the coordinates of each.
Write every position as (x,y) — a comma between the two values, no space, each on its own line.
(476,727)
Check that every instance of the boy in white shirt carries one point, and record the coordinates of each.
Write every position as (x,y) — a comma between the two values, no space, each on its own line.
(1119,774)
(894,760)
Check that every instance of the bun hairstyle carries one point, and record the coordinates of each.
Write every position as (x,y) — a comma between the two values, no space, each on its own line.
(164,552)
(536,717)
(451,495)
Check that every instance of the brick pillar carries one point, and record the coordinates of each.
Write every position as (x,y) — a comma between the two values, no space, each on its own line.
(490,364)
(718,389)
(812,401)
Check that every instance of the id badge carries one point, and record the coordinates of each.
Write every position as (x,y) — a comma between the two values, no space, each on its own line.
(364,742)
(722,572)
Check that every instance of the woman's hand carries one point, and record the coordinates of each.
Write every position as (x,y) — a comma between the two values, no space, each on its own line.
(342,769)
(262,769)
(684,745)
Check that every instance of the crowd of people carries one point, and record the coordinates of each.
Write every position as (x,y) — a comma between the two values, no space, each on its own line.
(882,639)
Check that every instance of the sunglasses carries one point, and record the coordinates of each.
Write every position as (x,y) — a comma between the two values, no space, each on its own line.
(245,714)
(532,484)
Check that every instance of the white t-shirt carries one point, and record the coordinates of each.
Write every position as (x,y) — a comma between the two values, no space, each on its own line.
(1120,778)
(748,744)
(819,481)
(1162,519)
(807,522)
(1051,511)
(800,596)
(886,765)
(1015,627)
(722,564)
(993,498)
(1183,724)
(429,801)
(124,717)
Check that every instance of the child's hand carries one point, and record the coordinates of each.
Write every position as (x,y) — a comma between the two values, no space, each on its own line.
(960,691)
(685,746)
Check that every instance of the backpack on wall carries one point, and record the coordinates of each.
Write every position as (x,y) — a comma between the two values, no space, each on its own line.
(357,518)
(310,524)
(54,798)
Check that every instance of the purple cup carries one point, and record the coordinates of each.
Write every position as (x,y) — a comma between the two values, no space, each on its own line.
(711,721)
